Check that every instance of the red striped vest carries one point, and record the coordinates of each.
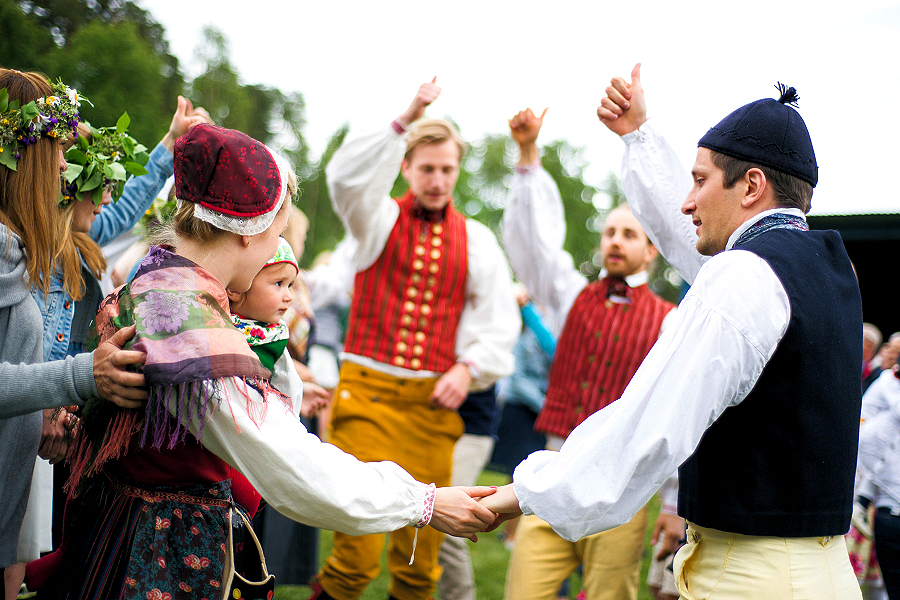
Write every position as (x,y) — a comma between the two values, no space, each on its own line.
(601,346)
(406,307)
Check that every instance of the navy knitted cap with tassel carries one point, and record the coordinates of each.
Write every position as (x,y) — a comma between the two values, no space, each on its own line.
(769,133)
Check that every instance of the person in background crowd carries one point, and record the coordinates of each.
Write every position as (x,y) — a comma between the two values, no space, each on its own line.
(889,351)
(879,461)
(521,395)
(871,360)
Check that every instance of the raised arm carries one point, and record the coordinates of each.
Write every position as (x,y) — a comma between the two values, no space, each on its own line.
(428,93)
(361,174)
(534,225)
(654,181)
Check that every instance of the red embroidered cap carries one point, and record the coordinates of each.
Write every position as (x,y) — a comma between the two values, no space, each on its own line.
(231,175)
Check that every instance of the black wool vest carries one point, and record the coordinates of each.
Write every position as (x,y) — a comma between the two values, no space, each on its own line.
(782,462)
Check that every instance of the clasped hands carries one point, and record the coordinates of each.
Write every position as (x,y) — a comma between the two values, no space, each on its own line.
(466,511)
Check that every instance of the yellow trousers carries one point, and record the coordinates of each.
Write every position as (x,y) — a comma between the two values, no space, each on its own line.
(716,565)
(541,560)
(379,417)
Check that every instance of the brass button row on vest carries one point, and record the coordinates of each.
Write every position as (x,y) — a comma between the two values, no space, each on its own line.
(413,294)
(427,295)
(434,254)
(417,349)
(418,264)
(418,336)
(416,279)
(407,320)
(414,364)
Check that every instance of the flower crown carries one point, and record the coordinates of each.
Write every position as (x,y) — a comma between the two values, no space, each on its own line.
(106,163)
(54,116)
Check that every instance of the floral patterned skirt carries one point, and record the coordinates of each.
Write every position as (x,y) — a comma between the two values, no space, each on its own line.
(165,543)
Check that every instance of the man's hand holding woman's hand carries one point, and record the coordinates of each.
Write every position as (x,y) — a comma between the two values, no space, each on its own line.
(464,511)
(457,511)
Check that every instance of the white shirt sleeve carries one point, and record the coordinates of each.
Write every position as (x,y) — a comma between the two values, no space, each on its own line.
(286,380)
(534,229)
(490,322)
(656,185)
(727,328)
(360,177)
(302,477)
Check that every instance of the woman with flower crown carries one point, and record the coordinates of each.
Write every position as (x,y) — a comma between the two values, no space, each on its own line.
(34,118)
(151,486)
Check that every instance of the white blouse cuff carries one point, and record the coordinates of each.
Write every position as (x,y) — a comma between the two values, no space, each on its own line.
(428,509)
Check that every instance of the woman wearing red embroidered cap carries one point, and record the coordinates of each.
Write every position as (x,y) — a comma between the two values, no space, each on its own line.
(155,500)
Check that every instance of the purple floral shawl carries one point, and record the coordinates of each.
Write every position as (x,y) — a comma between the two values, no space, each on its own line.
(184,326)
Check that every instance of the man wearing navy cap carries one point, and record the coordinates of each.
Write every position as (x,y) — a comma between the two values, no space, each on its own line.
(754,388)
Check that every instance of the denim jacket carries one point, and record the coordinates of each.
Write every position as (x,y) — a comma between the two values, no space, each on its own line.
(66,322)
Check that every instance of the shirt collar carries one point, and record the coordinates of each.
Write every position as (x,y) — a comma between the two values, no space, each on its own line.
(755,218)
(634,280)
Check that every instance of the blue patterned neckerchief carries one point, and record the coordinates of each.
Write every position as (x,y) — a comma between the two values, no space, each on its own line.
(773,221)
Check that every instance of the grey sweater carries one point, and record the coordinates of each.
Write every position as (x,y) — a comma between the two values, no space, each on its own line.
(26,388)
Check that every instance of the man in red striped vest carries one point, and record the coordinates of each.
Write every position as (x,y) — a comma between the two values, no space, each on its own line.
(609,327)
(433,314)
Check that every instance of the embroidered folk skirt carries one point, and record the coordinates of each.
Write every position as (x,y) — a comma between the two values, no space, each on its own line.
(165,543)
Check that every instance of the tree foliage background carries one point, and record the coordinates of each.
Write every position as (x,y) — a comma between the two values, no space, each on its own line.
(115,53)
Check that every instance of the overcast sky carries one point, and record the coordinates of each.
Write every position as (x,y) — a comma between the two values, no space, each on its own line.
(362,62)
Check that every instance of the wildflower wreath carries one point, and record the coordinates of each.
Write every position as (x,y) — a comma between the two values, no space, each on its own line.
(54,116)
(106,163)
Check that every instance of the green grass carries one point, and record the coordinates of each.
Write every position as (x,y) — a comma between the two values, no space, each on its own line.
(489,558)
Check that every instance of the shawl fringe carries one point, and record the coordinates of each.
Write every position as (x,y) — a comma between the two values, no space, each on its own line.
(192,400)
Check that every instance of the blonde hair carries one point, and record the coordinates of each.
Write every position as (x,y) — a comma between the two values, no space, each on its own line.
(433,131)
(29,195)
(184,224)
(75,246)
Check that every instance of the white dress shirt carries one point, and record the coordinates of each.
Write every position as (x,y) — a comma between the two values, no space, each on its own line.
(708,359)
(360,177)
